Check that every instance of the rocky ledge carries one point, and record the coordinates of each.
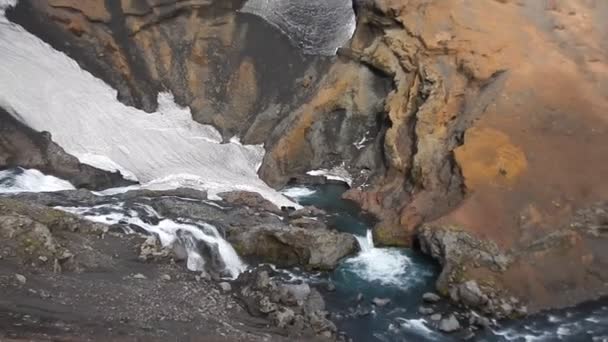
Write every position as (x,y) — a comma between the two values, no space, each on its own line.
(131,285)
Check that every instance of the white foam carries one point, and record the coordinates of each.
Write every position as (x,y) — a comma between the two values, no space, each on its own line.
(49,92)
(418,326)
(21,180)
(338,173)
(168,230)
(387,266)
(298,192)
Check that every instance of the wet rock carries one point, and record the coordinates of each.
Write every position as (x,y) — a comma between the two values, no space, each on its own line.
(293,246)
(380,302)
(425,310)
(449,324)
(225,287)
(436,317)
(479,321)
(296,292)
(262,280)
(308,211)
(506,308)
(21,279)
(249,199)
(359,298)
(430,297)
(22,146)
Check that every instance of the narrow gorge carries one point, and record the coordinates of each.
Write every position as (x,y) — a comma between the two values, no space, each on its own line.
(365,170)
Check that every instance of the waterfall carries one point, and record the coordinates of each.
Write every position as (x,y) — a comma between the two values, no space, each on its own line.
(21,180)
(366,243)
(199,243)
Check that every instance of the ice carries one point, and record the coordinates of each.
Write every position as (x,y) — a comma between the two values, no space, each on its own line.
(48,91)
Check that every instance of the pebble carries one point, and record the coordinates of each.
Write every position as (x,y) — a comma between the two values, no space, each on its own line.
(166,277)
(449,324)
(425,311)
(139,276)
(430,297)
(381,301)
(21,279)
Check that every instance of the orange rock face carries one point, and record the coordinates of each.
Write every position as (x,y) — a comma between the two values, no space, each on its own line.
(518,100)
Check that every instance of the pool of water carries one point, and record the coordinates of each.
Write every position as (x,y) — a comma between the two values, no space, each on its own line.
(403,275)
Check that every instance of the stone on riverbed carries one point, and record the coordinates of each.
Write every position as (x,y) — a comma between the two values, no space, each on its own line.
(430,297)
(287,246)
(380,302)
(449,324)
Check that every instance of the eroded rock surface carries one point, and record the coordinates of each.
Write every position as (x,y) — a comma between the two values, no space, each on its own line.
(21,146)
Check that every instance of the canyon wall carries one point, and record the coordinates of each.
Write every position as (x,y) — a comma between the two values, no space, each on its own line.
(462,122)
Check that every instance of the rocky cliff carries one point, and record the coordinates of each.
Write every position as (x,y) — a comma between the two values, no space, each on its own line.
(484,118)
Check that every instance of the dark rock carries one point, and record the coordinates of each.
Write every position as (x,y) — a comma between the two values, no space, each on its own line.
(21,146)
(225,287)
(249,199)
(425,310)
(430,297)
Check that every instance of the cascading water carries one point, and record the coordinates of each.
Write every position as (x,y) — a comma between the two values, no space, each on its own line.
(20,180)
(316,26)
(184,237)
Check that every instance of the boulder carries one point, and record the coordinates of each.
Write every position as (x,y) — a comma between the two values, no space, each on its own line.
(449,324)
(292,246)
(430,297)
(380,302)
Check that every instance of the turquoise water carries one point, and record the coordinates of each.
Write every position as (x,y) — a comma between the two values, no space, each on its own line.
(400,275)
(403,275)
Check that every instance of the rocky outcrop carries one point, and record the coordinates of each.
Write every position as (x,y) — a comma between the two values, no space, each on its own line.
(287,246)
(559,269)
(254,229)
(294,308)
(21,146)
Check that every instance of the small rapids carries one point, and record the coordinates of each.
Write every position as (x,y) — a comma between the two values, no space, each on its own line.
(198,243)
(21,180)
